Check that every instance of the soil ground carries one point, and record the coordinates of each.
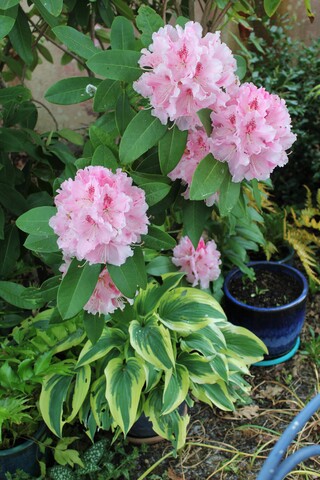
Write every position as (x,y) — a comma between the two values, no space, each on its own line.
(233,446)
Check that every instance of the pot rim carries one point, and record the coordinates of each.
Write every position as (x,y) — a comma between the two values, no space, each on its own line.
(274,266)
(26,444)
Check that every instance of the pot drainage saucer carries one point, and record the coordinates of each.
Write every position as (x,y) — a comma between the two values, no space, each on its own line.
(283,358)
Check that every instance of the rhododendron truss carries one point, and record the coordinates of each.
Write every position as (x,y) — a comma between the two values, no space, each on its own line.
(100,214)
(201,264)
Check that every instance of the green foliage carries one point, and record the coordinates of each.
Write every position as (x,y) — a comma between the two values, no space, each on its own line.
(291,69)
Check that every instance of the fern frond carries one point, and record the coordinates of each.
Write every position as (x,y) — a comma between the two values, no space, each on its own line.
(308,202)
(318,198)
(300,241)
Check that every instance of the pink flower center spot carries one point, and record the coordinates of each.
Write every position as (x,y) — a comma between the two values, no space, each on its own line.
(232,120)
(254,105)
(106,201)
(183,53)
(250,127)
(91,191)
(90,220)
(198,69)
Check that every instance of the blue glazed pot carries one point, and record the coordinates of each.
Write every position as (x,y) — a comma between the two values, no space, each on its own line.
(22,457)
(278,327)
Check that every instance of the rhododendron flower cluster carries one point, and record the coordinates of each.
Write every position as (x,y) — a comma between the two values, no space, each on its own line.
(198,146)
(201,264)
(106,298)
(99,216)
(187,73)
(251,132)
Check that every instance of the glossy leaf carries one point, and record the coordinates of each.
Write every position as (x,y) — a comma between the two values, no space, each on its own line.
(21,37)
(81,388)
(207,178)
(244,343)
(13,293)
(16,94)
(9,251)
(111,338)
(175,389)
(142,133)
(195,215)
(77,287)
(199,368)
(93,325)
(124,382)
(229,195)
(42,243)
(54,7)
(148,22)
(171,149)
(69,91)
(122,34)
(6,4)
(204,115)
(124,112)
(6,24)
(36,221)
(271,6)
(104,157)
(158,239)
(76,41)
(106,95)
(241,66)
(11,199)
(153,343)
(131,275)
(116,65)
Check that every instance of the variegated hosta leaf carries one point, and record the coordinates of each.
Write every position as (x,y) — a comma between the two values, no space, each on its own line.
(81,389)
(187,310)
(213,333)
(244,343)
(99,404)
(237,364)
(153,343)
(219,365)
(148,300)
(53,395)
(217,393)
(153,376)
(199,368)
(199,343)
(176,388)
(172,426)
(110,338)
(238,388)
(124,382)
(70,341)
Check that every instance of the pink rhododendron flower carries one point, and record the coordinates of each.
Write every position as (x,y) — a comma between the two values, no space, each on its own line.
(252,132)
(198,146)
(106,298)
(201,264)
(99,215)
(187,73)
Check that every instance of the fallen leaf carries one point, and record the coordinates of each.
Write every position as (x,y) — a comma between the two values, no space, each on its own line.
(271,391)
(173,476)
(249,412)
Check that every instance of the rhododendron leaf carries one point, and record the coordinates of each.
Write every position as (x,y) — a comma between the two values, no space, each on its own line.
(124,112)
(76,41)
(204,115)
(187,309)
(131,275)
(207,178)
(122,34)
(116,64)
(241,67)
(69,91)
(11,199)
(104,157)
(142,133)
(6,24)
(152,342)
(76,287)
(172,426)
(124,382)
(21,37)
(123,9)
(270,6)
(160,265)
(42,243)
(171,149)
(195,215)
(175,389)
(6,4)
(229,195)
(148,22)
(99,136)
(182,21)
(54,7)
(158,239)
(111,338)
(106,95)
(13,293)
(155,192)
(36,221)
(93,325)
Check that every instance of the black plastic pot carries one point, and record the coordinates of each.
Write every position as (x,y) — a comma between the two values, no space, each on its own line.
(23,457)
(278,327)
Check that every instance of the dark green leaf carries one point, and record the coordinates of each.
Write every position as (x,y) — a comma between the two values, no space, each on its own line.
(241,66)
(76,41)
(6,24)
(122,34)
(116,65)
(54,7)
(76,287)
(124,112)
(106,95)
(6,4)
(158,239)
(9,251)
(71,90)
(207,178)
(204,115)
(171,149)
(142,133)
(131,275)
(104,157)
(2,220)
(13,294)
(229,195)
(36,221)
(42,243)
(21,37)
(148,22)
(160,265)
(270,6)
(11,199)
(93,325)
(195,215)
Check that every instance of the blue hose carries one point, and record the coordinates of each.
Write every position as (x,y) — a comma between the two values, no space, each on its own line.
(273,469)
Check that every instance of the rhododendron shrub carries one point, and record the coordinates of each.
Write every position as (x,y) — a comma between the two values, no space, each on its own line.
(201,264)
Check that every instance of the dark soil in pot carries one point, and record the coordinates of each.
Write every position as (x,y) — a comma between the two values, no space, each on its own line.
(269,289)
